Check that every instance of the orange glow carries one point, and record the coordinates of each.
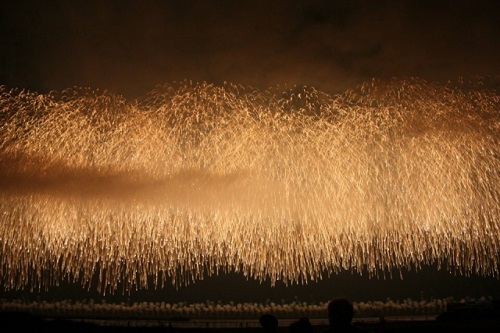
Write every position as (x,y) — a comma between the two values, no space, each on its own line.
(196,179)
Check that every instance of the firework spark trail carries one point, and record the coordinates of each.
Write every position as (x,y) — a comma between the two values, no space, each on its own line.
(196,179)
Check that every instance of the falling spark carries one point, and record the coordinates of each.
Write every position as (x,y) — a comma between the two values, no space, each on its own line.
(293,184)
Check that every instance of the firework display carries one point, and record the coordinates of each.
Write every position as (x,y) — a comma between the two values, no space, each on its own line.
(289,184)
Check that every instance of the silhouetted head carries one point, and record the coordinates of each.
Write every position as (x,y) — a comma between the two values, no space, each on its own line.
(269,322)
(303,325)
(340,312)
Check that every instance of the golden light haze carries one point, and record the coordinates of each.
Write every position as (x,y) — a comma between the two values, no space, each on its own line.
(289,184)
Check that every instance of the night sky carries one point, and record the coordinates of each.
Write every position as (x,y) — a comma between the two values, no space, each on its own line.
(129,47)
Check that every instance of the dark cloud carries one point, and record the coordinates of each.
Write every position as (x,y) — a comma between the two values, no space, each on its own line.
(130,46)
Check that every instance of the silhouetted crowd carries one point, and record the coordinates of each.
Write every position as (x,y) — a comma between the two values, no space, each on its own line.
(340,315)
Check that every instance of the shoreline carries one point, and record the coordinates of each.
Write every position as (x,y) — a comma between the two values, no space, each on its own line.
(16,322)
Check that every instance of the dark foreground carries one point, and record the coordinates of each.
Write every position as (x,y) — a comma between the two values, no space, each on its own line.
(18,322)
